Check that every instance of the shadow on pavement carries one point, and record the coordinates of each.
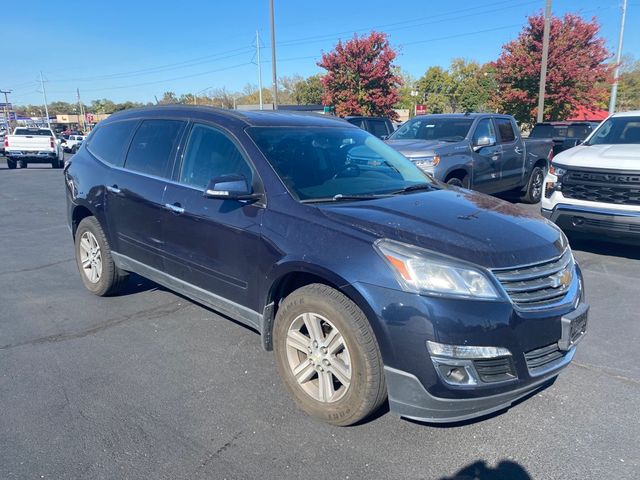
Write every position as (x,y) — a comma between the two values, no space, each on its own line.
(505,470)
(613,247)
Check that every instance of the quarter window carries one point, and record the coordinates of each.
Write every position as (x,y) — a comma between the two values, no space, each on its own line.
(109,141)
(506,130)
(211,154)
(152,147)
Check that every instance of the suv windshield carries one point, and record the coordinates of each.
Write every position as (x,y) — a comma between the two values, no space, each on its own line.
(434,128)
(320,163)
(617,130)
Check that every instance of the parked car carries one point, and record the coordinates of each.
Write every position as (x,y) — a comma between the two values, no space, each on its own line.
(564,134)
(594,188)
(71,143)
(484,152)
(381,127)
(366,277)
(33,145)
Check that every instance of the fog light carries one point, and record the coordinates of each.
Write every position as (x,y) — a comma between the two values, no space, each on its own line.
(456,372)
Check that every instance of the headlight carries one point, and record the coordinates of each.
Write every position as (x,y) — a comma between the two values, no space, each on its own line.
(421,271)
(557,171)
(426,163)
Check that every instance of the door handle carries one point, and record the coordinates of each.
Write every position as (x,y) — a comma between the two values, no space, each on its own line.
(518,150)
(113,189)
(174,207)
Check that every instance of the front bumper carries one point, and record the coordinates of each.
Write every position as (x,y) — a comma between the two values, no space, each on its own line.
(595,220)
(539,341)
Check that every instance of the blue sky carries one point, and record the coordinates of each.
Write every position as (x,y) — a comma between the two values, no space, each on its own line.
(135,50)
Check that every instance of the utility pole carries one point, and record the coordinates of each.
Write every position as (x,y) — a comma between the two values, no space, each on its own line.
(273,58)
(616,72)
(81,110)
(259,69)
(6,108)
(545,57)
(44,94)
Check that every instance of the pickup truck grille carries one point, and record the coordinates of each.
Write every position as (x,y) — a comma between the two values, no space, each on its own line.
(538,285)
(606,187)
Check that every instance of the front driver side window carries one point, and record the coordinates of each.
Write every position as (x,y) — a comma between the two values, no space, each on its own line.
(210,154)
(484,129)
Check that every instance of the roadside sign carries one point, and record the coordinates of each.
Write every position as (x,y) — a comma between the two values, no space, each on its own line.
(89,117)
(6,105)
(421,109)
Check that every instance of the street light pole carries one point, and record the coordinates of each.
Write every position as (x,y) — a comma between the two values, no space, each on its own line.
(259,69)
(616,72)
(545,57)
(44,94)
(273,57)
(6,108)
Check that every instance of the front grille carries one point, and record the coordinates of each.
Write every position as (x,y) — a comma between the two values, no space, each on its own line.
(538,285)
(495,369)
(616,188)
(541,359)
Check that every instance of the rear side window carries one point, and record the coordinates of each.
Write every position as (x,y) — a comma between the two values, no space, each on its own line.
(153,145)
(378,128)
(506,130)
(210,154)
(109,141)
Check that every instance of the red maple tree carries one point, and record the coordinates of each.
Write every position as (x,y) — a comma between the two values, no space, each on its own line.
(360,77)
(577,75)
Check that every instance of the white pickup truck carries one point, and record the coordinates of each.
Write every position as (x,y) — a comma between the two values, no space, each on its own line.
(594,188)
(33,145)
(71,143)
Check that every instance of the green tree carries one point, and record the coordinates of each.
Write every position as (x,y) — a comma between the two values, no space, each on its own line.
(309,91)
(102,106)
(629,86)
(435,89)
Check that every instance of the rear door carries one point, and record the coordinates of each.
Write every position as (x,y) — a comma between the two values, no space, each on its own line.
(214,244)
(512,162)
(134,193)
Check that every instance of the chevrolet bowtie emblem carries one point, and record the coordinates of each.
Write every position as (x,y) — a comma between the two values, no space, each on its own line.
(561,278)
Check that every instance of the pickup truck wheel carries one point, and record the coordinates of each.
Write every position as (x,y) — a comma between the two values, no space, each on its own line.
(533,193)
(11,163)
(23,164)
(74,149)
(459,182)
(93,257)
(327,355)
(56,163)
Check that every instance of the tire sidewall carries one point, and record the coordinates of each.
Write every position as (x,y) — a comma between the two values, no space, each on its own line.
(90,224)
(351,404)
(531,197)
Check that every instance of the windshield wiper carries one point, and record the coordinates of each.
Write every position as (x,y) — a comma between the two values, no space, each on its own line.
(414,188)
(347,196)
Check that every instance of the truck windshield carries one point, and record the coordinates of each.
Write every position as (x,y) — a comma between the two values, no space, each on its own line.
(333,163)
(617,130)
(434,128)
(33,131)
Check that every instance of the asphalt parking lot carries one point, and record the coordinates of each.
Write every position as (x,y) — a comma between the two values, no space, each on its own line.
(149,385)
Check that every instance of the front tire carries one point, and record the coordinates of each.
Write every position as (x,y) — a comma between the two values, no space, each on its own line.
(327,355)
(23,164)
(533,192)
(95,263)
(459,182)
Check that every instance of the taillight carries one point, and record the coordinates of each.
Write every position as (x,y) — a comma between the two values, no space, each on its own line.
(6,142)
(550,156)
(53,142)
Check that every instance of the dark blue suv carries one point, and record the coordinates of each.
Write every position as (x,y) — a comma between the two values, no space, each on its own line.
(369,279)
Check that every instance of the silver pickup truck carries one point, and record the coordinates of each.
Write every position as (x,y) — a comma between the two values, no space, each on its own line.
(33,145)
(484,152)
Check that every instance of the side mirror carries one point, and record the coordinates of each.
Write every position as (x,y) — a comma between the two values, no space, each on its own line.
(484,142)
(230,187)
(384,137)
(578,142)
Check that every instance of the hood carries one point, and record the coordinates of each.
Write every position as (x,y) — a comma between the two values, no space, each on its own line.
(416,148)
(462,224)
(614,157)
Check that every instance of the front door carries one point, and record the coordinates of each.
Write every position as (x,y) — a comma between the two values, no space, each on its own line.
(214,244)
(487,160)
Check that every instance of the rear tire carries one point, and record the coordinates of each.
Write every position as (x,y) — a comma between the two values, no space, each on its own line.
(95,263)
(324,338)
(11,163)
(533,192)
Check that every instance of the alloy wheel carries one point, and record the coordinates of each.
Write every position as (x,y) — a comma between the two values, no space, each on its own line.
(90,257)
